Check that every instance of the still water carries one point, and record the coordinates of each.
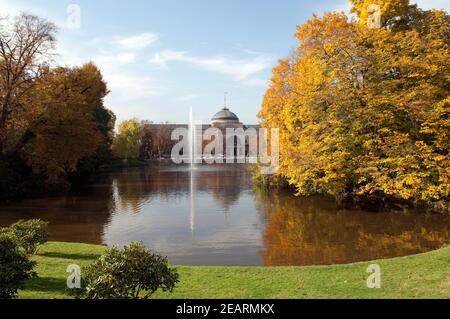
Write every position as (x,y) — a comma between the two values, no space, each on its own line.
(213,216)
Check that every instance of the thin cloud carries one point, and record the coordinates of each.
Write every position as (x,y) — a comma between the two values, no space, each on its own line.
(121,58)
(239,69)
(136,42)
(128,85)
(162,58)
(132,86)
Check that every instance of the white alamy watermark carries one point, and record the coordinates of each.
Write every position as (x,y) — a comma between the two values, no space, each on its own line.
(74,279)
(374,279)
(227,145)
(374,18)
(73,20)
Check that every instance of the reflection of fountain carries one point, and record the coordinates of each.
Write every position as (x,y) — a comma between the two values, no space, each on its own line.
(192,202)
(192,156)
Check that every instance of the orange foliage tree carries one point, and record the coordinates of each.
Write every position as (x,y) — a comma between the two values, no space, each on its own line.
(47,115)
(364,111)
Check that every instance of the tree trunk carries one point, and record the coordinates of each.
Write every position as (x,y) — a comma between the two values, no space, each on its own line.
(3,118)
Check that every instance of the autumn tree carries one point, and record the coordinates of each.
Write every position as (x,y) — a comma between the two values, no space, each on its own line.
(363,111)
(127,142)
(162,142)
(393,13)
(156,140)
(105,121)
(58,127)
(51,118)
(47,115)
(146,150)
(26,44)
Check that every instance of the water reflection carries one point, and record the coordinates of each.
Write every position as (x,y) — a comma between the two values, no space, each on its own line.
(214,217)
(313,231)
(77,217)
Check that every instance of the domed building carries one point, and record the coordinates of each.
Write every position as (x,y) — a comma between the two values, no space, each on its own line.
(225,118)
(222,120)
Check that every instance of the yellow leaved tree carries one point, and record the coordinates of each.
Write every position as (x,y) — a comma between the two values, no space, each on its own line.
(127,142)
(364,111)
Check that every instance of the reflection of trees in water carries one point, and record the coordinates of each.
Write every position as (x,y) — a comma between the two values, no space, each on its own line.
(91,209)
(226,186)
(312,231)
(139,185)
(136,186)
(130,188)
(79,216)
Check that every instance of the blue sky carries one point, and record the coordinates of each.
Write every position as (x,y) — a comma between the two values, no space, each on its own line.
(161,57)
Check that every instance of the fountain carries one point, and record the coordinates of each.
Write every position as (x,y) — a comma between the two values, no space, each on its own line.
(192,139)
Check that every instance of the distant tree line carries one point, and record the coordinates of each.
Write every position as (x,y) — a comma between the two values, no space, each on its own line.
(143,140)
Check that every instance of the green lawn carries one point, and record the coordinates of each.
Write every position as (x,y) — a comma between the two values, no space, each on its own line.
(419,276)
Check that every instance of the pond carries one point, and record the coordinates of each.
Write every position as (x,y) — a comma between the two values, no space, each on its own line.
(214,216)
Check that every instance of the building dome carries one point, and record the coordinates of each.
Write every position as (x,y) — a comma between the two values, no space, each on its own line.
(225,115)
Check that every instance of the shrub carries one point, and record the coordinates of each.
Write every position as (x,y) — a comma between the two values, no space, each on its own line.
(15,267)
(126,273)
(30,234)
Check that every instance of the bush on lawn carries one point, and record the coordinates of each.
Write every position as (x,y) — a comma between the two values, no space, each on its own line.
(15,266)
(29,234)
(129,273)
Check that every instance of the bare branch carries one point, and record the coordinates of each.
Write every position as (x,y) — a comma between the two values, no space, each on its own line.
(25,43)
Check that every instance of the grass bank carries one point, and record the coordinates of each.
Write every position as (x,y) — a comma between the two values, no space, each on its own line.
(419,276)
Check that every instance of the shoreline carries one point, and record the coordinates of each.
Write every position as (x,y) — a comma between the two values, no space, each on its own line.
(417,276)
